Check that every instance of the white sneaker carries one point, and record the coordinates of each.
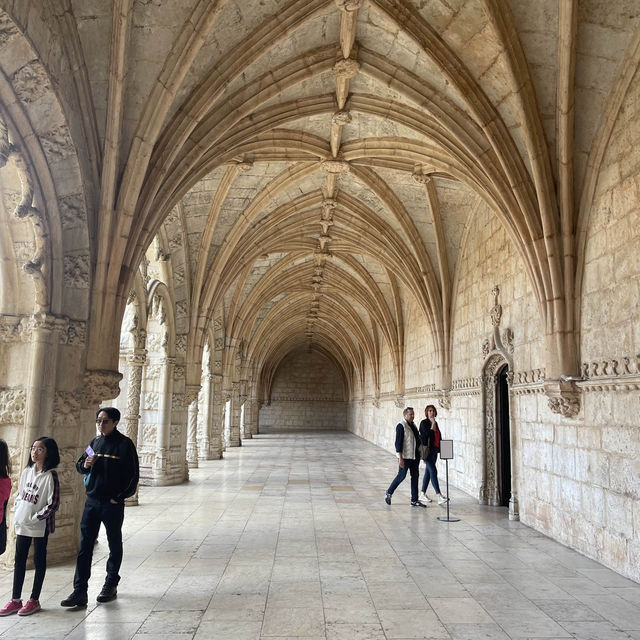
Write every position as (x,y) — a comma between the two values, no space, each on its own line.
(442,500)
(426,498)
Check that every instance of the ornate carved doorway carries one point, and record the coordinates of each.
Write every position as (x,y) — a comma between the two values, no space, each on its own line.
(498,483)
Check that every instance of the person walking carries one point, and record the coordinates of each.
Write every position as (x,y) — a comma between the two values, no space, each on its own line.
(430,436)
(110,469)
(35,506)
(408,452)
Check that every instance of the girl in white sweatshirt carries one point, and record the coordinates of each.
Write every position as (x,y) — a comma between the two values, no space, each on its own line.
(36,503)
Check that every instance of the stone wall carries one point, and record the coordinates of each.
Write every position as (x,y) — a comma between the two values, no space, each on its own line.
(308,393)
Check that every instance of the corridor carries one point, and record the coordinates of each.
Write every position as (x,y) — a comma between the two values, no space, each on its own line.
(289,537)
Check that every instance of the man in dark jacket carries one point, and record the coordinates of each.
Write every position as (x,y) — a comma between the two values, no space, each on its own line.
(110,469)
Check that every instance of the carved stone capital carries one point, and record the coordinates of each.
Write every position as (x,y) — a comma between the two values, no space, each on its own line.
(137,359)
(100,385)
(563,396)
(191,393)
(444,400)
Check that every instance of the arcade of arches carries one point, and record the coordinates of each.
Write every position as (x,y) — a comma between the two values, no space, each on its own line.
(228,216)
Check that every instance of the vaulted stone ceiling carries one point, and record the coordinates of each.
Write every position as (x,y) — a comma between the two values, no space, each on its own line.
(320,158)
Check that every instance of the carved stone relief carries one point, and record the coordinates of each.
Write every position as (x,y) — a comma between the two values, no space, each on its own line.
(99,386)
(12,406)
(66,409)
(31,82)
(76,271)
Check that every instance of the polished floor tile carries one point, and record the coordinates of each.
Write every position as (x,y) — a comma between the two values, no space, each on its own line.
(288,537)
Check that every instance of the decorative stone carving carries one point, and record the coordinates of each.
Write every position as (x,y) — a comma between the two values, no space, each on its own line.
(179,372)
(399,402)
(181,344)
(31,82)
(151,400)
(507,340)
(57,143)
(420,177)
(341,117)
(444,400)
(182,308)
(219,344)
(11,328)
(66,409)
(76,271)
(100,385)
(348,5)
(346,68)
(335,166)
(8,29)
(76,333)
(161,254)
(72,211)
(12,406)
(496,310)
(564,397)
(38,266)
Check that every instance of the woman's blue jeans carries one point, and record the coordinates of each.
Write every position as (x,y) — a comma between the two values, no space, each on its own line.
(431,473)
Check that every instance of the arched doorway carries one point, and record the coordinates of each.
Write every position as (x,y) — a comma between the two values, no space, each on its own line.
(498,485)
(503,440)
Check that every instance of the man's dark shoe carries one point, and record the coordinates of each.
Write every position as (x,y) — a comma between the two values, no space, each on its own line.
(107,594)
(75,599)
(387,498)
(417,503)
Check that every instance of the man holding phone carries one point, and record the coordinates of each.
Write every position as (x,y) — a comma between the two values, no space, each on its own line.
(110,468)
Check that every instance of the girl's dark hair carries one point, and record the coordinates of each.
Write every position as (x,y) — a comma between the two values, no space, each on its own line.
(5,460)
(52,459)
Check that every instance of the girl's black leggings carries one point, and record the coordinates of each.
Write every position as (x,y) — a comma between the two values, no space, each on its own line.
(39,559)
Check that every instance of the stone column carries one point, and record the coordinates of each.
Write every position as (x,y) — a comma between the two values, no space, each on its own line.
(216,411)
(245,417)
(234,429)
(191,397)
(135,364)
(45,332)
(164,426)
(204,441)
(254,416)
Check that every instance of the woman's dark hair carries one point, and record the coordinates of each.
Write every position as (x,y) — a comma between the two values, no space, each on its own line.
(5,460)
(52,459)
(430,406)
(112,412)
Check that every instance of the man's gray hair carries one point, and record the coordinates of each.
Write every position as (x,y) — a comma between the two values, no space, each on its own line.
(407,409)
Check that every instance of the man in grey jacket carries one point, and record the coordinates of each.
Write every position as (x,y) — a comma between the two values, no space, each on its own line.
(408,452)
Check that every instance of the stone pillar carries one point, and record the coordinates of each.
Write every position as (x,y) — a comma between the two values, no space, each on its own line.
(204,439)
(245,417)
(216,413)
(191,397)
(135,364)
(234,428)
(254,416)
(38,411)
(164,426)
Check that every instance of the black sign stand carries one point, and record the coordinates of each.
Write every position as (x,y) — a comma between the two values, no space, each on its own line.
(446,454)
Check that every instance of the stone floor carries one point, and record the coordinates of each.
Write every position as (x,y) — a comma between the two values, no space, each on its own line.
(289,537)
